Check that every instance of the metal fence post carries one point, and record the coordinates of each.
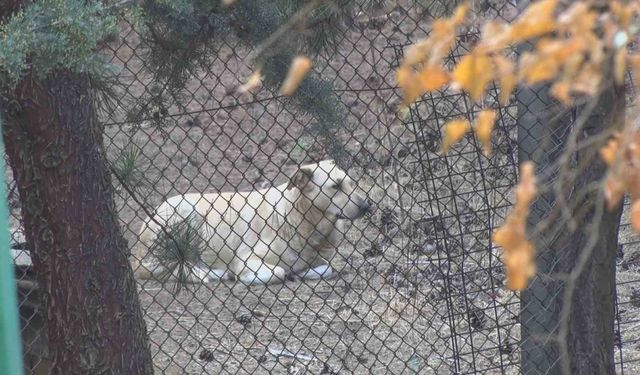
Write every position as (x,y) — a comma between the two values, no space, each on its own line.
(10,342)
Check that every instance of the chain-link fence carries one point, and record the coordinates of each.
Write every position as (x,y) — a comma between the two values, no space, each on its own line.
(417,285)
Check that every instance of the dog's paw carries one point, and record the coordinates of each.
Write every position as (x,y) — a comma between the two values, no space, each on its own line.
(201,274)
(323,271)
(217,275)
(264,275)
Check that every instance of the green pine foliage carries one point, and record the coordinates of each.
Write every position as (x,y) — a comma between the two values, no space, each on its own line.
(178,249)
(184,36)
(49,35)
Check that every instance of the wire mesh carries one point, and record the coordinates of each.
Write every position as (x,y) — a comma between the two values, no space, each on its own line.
(417,284)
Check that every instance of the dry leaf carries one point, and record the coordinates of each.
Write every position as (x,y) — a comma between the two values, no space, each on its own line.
(518,252)
(473,73)
(613,191)
(299,68)
(535,68)
(417,52)
(255,79)
(561,91)
(495,37)
(483,129)
(432,78)
(409,84)
(609,151)
(505,69)
(508,237)
(520,266)
(443,36)
(622,12)
(460,13)
(535,21)
(578,18)
(588,79)
(453,131)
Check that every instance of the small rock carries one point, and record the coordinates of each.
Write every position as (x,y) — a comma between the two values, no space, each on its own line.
(206,355)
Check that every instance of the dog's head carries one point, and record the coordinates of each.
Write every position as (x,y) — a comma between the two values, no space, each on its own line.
(330,190)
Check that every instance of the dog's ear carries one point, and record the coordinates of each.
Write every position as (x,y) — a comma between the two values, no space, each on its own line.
(301,178)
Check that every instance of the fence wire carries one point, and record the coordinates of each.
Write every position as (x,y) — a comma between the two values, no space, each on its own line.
(417,285)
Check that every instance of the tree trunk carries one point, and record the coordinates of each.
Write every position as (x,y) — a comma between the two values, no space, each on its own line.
(590,339)
(590,335)
(55,148)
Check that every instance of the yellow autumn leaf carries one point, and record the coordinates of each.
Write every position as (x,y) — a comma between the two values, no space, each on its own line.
(560,50)
(460,13)
(609,151)
(613,191)
(432,78)
(473,73)
(561,90)
(535,21)
(417,52)
(484,127)
(578,18)
(495,37)
(408,82)
(620,65)
(443,35)
(506,77)
(519,266)
(535,68)
(299,68)
(453,131)
(508,236)
(587,80)
(622,12)
(572,66)
(253,81)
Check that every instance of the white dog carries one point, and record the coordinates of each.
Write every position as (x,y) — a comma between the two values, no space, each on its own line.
(260,236)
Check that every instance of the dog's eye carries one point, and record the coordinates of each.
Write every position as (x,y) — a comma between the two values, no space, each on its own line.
(337,185)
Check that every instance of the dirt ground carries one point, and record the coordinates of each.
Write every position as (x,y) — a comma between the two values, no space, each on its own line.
(419,288)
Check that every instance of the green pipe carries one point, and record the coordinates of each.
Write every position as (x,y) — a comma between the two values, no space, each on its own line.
(10,342)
